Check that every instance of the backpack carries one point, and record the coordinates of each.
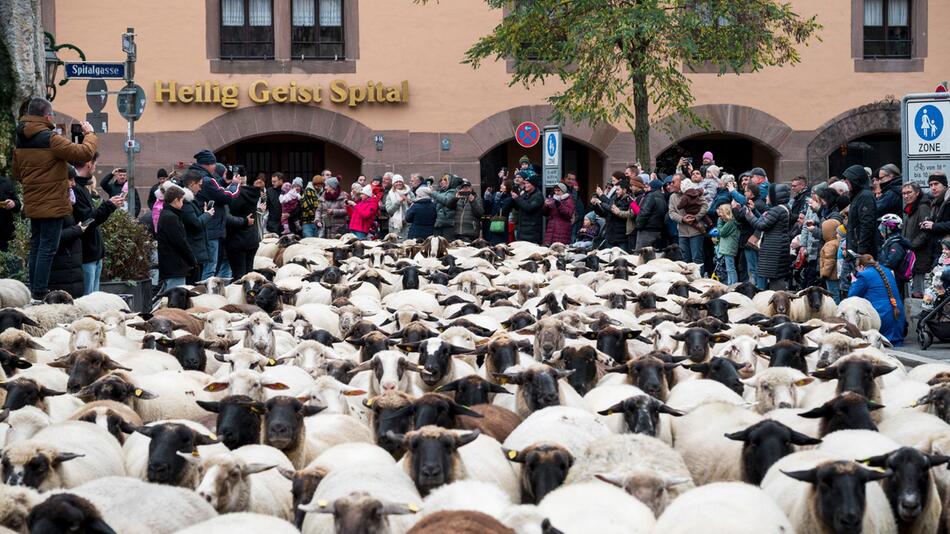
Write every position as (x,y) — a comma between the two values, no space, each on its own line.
(905,269)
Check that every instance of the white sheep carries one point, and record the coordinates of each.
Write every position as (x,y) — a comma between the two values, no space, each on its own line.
(100,302)
(49,316)
(859,312)
(23,424)
(733,507)
(14,294)
(458,496)
(636,463)
(801,311)
(135,453)
(923,373)
(700,437)
(572,428)
(691,394)
(175,393)
(331,393)
(569,509)
(777,387)
(246,480)
(324,431)
(241,523)
(70,453)
(799,500)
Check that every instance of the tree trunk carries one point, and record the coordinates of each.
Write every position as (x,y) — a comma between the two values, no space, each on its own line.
(641,127)
(21,66)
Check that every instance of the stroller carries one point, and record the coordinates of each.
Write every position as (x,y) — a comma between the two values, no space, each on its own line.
(934,325)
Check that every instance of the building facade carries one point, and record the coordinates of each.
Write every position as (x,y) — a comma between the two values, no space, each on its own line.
(368,86)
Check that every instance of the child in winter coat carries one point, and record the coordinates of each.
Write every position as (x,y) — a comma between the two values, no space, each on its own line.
(728,246)
(289,200)
(364,213)
(935,288)
(828,258)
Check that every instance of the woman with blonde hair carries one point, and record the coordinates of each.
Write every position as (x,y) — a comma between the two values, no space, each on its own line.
(728,246)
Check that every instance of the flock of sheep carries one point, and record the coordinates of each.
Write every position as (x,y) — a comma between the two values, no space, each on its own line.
(376,387)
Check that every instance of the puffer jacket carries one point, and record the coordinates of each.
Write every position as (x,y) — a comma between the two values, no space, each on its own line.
(560,214)
(242,236)
(421,219)
(446,215)
(914,214)
(616,228)
(810,237)
(468,216)
(195,220)
(891,200)
(364,214)
(40,165)
(862,213)
(529,206)
(332,212)
(84,208)
(66,271)
(774,261)
(893,250)
(828,256)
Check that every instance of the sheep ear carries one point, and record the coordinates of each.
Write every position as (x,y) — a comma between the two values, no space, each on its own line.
(391,508)
(803,439)
(65,457)
(616,408)
(465,439)
(251,469)
(47,392)
(286,473)
(451,386)
(513,455)
(34,345)
(458,409)
(201,439)
(803,382)
(828,373)
(741,435)
(98,526)
(216,386)
(276,386)
(816,413)
(871,475)
(140,393)
(664,408)
(309,410)
(937,459)
(698,367)
(210,406)
(880,369)
(398,438)
(589,335)
(809,476)
(879,461)
(611,478)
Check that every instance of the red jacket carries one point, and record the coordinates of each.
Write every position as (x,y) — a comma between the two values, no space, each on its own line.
(560,217)
(364,213)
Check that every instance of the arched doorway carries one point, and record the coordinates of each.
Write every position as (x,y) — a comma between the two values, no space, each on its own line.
(585,162)
(733,153)
(291,154)
(874,151)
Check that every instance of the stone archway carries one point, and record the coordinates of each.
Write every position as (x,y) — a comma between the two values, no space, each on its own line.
(245,123)
(878,117)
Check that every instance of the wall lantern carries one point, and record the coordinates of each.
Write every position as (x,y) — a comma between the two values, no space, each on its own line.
(53,63)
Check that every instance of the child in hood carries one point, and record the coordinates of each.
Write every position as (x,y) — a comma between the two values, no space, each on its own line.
(289,200)
(936,288)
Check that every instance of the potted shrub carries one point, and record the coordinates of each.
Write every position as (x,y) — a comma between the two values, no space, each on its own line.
(125,270)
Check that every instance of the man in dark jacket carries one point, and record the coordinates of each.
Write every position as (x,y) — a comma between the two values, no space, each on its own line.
(615,209)
(195,218)
(212,190)
(85,208)
(652,217)
(40,165)
(862,215)
(468,208)
(175,259)
(243,237)
(115,181)
(9,205)
(938,226)
(529,204)
(66,274)
(273,203)
(800,195)
(890,183)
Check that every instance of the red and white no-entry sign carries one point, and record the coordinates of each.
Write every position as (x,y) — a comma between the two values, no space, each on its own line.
(527,134)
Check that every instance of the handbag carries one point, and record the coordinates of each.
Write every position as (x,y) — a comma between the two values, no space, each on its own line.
(497,224)
(753,242)
(802,258)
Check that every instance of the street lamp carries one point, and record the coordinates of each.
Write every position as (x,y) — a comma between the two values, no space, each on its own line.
(53,63)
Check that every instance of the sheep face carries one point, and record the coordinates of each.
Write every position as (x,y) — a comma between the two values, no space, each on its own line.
(239,420)
(647,373)
(26,463)
(765,443)
(225,483)
(391,414)
(18,342)
(331,393)
(113,387)
(719,309)
(641,413)
(846,411)
(791,331)
(179,297)
(283,422)
(190,350)
(267,297)
(777,388)
(696,342)
(832,347)
(938,400)
(26,392)
(11,362)
(839,488)
(648,487)
(349,316)
(260,333)
(544,468)
(724,371)
(389,371)
(435,357)
(612,341)
(370,344)
(855,374)
(359,512)
(538,385)
(519,320)
(66,513)
(13,318)
(472,390)
(323,337)
(309,356)
(433,458)
(502,353)
(787,354)
(86,333)
(301,328)
(439,410)
(85,367)
(303,484)
(218,323)
(908,488)
(242,359)
(587,366)
(549,336)
(246,382)
(165,465)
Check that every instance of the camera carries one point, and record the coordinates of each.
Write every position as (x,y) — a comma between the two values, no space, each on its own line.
(75,134)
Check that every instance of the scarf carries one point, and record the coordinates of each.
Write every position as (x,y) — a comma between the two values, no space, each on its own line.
(330,196)
(911,206)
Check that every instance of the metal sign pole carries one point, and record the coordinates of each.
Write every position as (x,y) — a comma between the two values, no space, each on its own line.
(128,46)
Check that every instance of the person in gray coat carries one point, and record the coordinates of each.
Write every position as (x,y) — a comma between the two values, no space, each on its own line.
(445,215)
(774,262)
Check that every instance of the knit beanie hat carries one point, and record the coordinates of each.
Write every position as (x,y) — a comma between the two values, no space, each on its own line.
(298,181)
(423,192)
(841,187)
(561,186)
(714,170)
(656,185)
(939,178)
(637,184)
(524,159)
(842,231)
(854,173)
(333,182)
(205,157)
(708,155)
(367,190)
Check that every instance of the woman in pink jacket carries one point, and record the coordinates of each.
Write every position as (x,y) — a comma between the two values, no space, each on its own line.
(364,213)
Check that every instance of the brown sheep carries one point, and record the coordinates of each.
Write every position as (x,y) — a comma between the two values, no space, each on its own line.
(459,522)
(495,421)
(183,319)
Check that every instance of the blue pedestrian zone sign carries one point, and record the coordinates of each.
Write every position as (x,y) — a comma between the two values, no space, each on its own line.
(552,146)
(928,123)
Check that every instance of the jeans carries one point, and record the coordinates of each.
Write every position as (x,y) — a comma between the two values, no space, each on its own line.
(692,249)
(359,235)
(761,282)
(752,265)
(309,230)
(211,267)
(91,272)
(832,287)
(647,238)
(731,276)
(44,240)
(174,282)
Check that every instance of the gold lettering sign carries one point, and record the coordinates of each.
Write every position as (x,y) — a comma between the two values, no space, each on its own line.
(262,92)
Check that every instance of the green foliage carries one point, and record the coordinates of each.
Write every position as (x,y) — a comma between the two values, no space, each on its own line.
(129,248)
(622,60)
(13,262)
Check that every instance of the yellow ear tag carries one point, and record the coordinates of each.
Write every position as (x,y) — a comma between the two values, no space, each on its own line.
(512,455)
(322,504)
(878,469)
(610,412)
(413,508)
(257,410)
(369,402)
(914,405)
(212,436)
(138,392)
(503,381)
(801,383)
(271,361)
(195,453)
